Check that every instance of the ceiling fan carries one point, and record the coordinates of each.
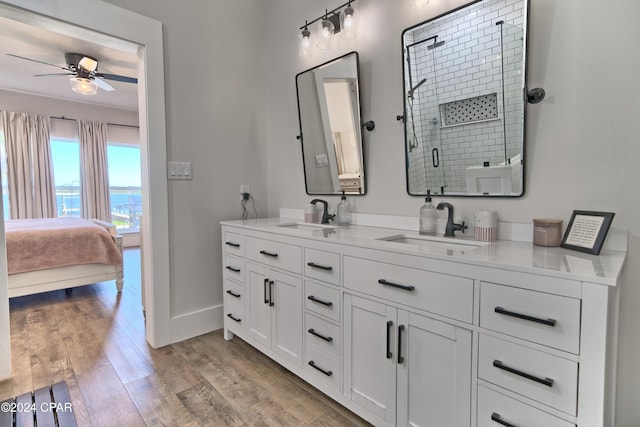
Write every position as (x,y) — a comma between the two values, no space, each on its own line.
(83,69)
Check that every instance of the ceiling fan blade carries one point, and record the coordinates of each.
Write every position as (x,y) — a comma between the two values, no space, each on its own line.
(117,78)
(103,85)
(54,74)
(40,62)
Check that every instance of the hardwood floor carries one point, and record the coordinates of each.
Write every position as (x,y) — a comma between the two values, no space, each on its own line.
(94,339)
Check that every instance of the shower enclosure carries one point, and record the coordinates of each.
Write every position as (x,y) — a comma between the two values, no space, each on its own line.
(464,104)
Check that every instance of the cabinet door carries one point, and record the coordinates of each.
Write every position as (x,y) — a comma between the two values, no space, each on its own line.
(434,378)
(259,311)
(370,356)
(286,297)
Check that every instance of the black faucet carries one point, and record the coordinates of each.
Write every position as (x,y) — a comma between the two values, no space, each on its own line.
(450,231)
(325,211)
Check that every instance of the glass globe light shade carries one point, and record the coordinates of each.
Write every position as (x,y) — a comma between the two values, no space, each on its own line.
(325,35)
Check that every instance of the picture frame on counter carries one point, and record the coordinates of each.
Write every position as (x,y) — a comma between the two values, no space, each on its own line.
(587,231)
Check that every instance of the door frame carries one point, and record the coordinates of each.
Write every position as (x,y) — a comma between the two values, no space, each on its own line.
(112,25)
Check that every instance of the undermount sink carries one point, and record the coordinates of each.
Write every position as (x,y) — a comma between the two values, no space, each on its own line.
(306,226)
(310,229)
(441,245)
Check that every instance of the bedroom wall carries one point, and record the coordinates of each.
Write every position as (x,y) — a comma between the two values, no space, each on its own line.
(582,141)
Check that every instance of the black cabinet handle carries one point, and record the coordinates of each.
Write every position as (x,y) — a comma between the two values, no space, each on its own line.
(233,294)
(322,337)
(235,245)
(271,303)
(396,285)
(321,267)
(234,269)
(496,417)
(230,316)
(548,322)
(271,254)
(319,301)
(546,381)
(266,282)
(389,325)
(313,365)
(400,358)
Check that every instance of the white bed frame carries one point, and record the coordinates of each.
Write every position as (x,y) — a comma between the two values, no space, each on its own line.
(52,279)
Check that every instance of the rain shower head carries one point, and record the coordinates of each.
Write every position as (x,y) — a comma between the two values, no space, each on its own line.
(436,44)
(413,89)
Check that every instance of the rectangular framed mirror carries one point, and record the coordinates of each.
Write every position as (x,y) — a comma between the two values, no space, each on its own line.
(330,127)
(464,91)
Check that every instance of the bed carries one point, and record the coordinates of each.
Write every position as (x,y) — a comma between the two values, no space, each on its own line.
(60,253)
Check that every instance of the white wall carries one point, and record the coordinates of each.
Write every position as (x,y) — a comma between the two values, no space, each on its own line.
(582,141)
(215,108)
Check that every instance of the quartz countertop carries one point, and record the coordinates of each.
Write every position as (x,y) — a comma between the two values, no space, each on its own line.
(525,257)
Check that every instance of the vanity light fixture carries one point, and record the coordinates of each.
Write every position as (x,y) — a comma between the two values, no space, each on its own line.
(341,19)
(418,4)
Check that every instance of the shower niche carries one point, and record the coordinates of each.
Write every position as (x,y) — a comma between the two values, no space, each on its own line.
(464,101)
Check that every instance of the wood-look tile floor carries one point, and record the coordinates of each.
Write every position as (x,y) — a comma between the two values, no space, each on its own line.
(94,339)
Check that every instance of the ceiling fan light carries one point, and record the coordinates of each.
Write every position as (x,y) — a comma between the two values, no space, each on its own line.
(88,64)
(83,86)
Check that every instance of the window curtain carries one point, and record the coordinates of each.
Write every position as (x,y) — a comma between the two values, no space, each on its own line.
(29,166)
(94,185)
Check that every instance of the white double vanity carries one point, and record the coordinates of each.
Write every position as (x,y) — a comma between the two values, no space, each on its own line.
(443,332)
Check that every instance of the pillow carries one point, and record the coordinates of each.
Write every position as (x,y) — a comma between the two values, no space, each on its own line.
(107,225)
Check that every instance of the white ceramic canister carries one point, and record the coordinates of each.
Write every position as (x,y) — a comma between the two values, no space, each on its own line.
(486,226)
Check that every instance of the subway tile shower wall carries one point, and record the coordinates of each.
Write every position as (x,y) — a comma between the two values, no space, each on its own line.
(478,58)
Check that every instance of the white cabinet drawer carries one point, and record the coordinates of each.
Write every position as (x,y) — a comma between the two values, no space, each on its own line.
(551,320)
(322,299)
(323,335)
(234,305)
(234,244)
(234,267)
(524,371)
(442,294)
(494,407)
(322,368)
(276,254)
(322,265)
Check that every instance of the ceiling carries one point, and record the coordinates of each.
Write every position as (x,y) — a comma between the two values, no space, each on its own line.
(45,45)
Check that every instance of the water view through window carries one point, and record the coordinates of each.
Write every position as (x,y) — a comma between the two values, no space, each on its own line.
(124,182)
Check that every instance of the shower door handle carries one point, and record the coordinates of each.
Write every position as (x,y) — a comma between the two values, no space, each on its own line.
(435,157)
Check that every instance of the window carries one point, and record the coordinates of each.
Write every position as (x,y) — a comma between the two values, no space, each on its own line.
(65,155)
(125,186)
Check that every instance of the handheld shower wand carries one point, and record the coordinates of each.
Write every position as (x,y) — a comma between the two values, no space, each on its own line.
(413,89)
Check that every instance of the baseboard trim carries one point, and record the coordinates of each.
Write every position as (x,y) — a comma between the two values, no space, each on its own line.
(196,323)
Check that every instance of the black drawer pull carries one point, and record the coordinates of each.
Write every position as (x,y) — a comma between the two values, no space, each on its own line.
(271,254)
(233,294)
(400,358)
(548,322)
(230,316)
(496,417)
(235,245)
(389,325)
(271,303)
(265,284)
(322,337)
(234,269)
(313,365)
(396,285)
(546,381)
(319,301)
(321,267)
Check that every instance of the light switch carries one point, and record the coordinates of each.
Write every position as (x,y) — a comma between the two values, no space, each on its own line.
(179,170)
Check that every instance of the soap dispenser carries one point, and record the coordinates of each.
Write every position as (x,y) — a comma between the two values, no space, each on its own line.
(428,217)
(344,211)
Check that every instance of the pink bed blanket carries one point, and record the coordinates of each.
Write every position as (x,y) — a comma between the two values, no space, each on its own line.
(37,244)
